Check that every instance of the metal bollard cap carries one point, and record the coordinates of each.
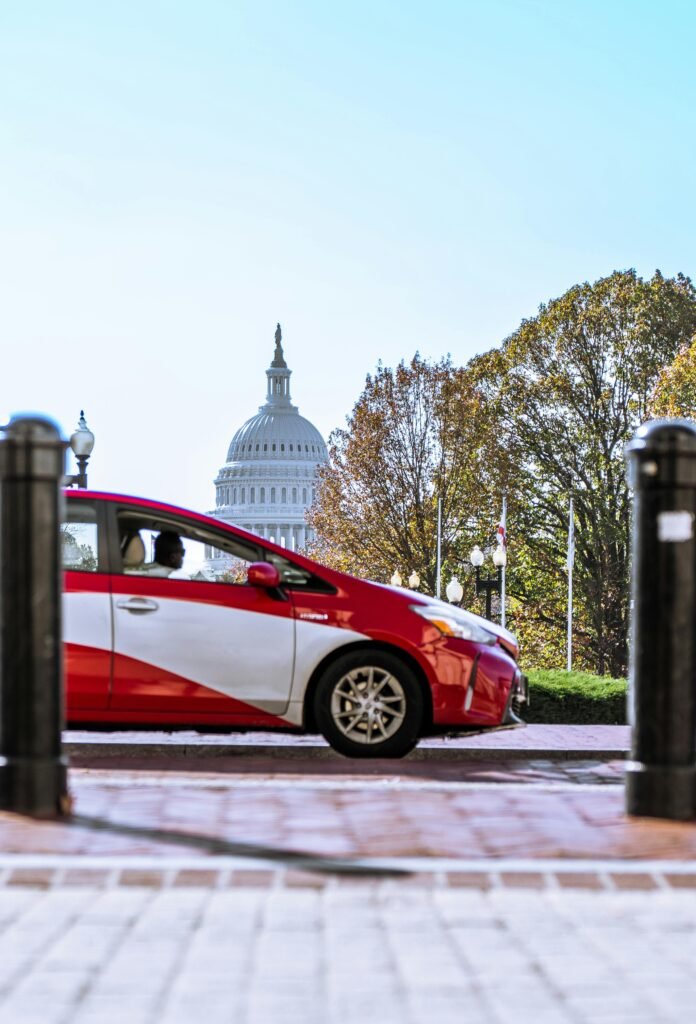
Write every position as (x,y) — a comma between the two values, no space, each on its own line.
(662,436)
(662,453)
(33,426)
(32,448)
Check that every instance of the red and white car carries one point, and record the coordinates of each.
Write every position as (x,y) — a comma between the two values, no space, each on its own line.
(279,642)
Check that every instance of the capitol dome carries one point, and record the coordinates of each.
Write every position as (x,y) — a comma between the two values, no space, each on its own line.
(271,433)
(269,478)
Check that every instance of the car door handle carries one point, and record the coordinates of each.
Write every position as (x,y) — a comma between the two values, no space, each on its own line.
(138,605)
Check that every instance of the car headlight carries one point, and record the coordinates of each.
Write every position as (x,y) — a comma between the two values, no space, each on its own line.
(451,624)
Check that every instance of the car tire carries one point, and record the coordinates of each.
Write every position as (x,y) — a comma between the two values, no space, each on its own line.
(369,703)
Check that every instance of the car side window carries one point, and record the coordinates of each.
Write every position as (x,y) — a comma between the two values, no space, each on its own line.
(79,538)
(170,553)
(179,550)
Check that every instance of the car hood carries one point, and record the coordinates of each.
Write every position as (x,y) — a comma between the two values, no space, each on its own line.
(507,638)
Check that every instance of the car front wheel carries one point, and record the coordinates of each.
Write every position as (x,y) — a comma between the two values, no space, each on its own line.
(369,704)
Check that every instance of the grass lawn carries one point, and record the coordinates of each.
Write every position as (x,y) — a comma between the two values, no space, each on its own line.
(575,698)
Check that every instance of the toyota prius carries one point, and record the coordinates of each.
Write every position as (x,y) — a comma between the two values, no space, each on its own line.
(175,619)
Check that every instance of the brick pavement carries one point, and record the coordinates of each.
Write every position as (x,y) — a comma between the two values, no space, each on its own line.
(297,816)
(505,892)
(346,955)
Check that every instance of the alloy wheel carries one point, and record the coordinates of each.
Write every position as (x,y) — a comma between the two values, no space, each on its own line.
(368,704)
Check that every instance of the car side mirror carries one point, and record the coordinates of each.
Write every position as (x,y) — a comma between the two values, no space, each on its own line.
(263,574)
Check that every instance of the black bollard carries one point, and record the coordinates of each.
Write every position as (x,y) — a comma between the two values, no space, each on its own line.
(33,776)
(661,778)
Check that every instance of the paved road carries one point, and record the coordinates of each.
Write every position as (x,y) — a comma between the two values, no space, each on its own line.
(544,741)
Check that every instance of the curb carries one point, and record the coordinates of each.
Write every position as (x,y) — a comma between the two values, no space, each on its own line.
(32,871)
(87,752)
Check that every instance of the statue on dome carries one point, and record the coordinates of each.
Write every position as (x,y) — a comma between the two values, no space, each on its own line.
(278,360)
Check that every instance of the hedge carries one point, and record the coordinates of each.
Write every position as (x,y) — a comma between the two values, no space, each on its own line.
(575,698)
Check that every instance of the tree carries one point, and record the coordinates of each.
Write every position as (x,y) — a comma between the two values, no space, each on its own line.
(675,392)
(569,388)
(417,434)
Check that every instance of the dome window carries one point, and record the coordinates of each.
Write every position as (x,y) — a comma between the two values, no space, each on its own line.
(306,447)
(243,495)
(282,447)
(294,495)
(290,447)
(272,447)
(284,496)
(257,447)
(252,495)
(272,495)
(262,499)
(304,495)
(265,447)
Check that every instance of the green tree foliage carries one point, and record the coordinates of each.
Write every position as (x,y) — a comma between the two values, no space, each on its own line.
(675,393)
(570,387)
(545,416)
(416,434)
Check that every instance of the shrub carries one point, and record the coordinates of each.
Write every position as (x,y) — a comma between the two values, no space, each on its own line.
(575,698)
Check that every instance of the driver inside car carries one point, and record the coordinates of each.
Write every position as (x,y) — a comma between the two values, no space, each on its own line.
(169,555)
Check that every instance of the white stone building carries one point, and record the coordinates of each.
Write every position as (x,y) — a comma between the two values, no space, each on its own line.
(269,478)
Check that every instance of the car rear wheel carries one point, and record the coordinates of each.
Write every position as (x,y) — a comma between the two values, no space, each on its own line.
(369,704)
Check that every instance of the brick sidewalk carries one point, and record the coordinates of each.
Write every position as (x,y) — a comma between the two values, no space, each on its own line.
(346,955)
(497,892)
(350,818)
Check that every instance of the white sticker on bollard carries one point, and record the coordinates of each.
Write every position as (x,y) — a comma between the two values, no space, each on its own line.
(674,527)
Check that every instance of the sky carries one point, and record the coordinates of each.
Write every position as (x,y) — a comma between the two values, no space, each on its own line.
(380,177)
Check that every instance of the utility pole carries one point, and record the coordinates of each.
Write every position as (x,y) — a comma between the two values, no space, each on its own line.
(571,559)
(439,546)
(503,523)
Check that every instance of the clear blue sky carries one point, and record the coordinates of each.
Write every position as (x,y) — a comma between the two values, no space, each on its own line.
(380,177)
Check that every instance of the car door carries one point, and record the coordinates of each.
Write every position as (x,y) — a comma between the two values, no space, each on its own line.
(190,645)
(86,608)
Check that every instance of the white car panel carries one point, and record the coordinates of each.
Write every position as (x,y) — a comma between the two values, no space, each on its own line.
(313,643)
(241,654)
(87,619)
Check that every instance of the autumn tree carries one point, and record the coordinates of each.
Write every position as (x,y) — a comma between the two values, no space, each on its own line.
(675,391)
(569,388)
(418,433)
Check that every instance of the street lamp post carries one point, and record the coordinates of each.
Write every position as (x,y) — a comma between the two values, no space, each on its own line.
(82,443)
(491,584)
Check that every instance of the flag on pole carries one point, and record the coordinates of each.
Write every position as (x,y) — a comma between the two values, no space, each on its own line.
(501,532)
(571,537)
